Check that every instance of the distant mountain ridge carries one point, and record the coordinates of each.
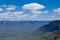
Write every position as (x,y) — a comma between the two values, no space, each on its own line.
(8,28)
(21,22)
(52,26)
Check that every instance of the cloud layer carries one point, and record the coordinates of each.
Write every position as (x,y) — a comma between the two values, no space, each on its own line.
(33,6)
(11,7)
(36,12)
(57,10)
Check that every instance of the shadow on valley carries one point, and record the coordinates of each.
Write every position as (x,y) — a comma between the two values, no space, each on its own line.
(30,30)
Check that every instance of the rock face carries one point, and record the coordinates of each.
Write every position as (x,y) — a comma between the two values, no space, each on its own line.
(51,31)
(52,26)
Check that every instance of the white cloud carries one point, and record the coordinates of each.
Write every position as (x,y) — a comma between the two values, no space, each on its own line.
(56,10)
(11,7)
(53,16)
(5,15)
(8,7)
(9,15)
(56,13)
(1,9)
(33,16)
(36,12)
(45,12)
(33,6)
(18,13)
(17,16)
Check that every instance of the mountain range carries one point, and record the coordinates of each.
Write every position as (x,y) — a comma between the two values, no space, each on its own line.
(33,30)
(18,28)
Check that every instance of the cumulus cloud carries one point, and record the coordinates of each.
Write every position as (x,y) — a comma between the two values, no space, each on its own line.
(45,12)
(8,7)
(9,15)
(17,16)
(33,6)
(14,16)
(53,16)
(5,16)
(1,9)
(56,13)
(33,16)
(38,12)
(18,13)
(56,10)
(11,7)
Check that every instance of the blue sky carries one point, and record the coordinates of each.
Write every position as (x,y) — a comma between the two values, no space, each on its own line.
(18,10)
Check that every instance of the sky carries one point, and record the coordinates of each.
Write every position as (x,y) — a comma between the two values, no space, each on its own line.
(25,10)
